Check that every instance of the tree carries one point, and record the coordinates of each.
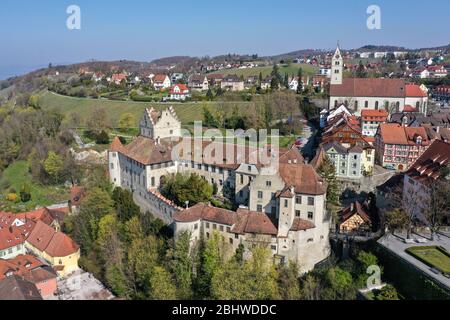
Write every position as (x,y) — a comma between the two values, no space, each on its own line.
(108,241)
(161,285)
(127,120)
(210,95)
(102,137)
(53,166)
(361,71)
(286,81)
(300,80)
(181,188)
(142,258)
(182,265)
(208,118)
(437,208)
(25,194)
(255,279)
(328,172)
(93,208)
(396,219)
(288,282)
(311,288)
(340,285)
(124,204)
(387,293)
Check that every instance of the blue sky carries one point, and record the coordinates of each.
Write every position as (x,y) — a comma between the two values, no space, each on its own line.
(34,33)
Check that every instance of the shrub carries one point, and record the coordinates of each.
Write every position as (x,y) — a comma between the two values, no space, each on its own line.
(12,197)
(25,195)
(102,138)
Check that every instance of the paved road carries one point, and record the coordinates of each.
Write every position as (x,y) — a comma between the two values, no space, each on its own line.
(396,245)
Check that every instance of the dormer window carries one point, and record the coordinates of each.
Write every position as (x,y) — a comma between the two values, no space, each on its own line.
(419,140)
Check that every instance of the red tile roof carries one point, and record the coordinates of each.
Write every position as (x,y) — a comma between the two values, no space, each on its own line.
(160,78)
(393,133)
(303,178)
(374,115)
(428,167)
(116,145)
(12,235)
(371,87)
(20,265)
(56,244)
(302,225)
(413,90)
(350,211)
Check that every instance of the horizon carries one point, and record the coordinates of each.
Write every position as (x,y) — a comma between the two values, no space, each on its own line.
(118,31)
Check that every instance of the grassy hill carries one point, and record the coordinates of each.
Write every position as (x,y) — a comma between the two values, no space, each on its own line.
(291,69)
(17,175)
(187,112)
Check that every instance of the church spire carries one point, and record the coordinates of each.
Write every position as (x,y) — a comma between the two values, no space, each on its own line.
(337,67)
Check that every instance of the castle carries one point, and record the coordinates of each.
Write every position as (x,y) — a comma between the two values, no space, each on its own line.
(283,209)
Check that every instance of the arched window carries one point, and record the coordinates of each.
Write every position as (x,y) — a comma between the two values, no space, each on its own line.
(397,107)
(417,106)
(346,103)
(366,104)
(376,105)
(356,105)
(335,103)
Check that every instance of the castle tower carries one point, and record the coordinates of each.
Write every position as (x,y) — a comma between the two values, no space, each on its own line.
(337,67)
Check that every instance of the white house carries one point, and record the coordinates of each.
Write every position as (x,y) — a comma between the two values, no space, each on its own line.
(161,82)
(179,92)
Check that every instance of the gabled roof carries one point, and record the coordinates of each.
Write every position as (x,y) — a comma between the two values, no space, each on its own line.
(159,78)
(428,167)
(116,145)
(254,223)
(350,211)
(56,244)
(15,288)
(302,225)
(370,87)
(303,178)
(414,90)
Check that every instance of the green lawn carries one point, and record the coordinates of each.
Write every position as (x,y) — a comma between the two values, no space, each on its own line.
(187,112)
(291,69)
(15,176)
(432,256)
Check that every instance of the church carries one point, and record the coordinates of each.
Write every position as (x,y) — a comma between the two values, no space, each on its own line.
(392,95)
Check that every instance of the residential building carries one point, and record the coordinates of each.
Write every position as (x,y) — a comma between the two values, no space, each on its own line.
(442,93)
(176,77)
(55,247)
(421,175)
(198,82)
(354,218)
(347,161)
(369,93)
(179,92)
(215,79)
(398,147)
(13,233)
(232,83)
(32,270)
(15,288)
(371,119)
(118,78)
(161,82)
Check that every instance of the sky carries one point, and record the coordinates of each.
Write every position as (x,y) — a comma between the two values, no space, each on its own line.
(34,33)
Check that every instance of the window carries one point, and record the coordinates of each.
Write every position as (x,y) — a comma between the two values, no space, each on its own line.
(231,240)
(286,203)
(274,248)
(297,213)
(221,228)
(366,104)
(376,105)
(112,166)
(310,201)
(215,226)
(207,235)
(310,215)
(268,183)
(259,208)
(260,195)
(249,168)
(242,179)
(207,225)
(228,229)
(196,226)
(298,200)
(236,236)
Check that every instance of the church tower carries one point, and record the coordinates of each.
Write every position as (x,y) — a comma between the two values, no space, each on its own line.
(337,67)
